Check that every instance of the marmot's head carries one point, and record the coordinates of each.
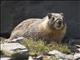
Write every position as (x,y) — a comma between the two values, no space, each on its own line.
(56,20)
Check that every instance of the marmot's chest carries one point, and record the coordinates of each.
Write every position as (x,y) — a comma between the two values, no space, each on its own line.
(53,35)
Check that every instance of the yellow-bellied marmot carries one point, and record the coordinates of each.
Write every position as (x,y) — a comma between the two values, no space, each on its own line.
(50,28)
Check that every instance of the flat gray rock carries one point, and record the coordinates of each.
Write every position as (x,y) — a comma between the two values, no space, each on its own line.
(76,56)
(5,58)
(40,57)
(59,55)
(11,48)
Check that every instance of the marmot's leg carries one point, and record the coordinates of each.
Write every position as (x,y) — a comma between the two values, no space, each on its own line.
(15,36)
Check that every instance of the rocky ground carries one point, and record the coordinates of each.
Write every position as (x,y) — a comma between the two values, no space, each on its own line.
(16,51)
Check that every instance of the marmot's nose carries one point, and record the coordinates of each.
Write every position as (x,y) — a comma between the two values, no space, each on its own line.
(59,22)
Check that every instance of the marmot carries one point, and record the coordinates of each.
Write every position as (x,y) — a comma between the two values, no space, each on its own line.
(49,28)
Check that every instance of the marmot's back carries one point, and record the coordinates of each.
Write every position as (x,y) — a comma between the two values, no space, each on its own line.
(25,24)
(21,28)
(51,27)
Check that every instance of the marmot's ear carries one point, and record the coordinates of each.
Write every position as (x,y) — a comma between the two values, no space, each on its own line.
(49,15)
(62,14)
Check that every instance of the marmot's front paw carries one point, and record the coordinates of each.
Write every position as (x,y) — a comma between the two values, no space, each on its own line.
(14,40)
(7,40)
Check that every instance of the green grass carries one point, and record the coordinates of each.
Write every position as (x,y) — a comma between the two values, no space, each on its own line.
(39,46)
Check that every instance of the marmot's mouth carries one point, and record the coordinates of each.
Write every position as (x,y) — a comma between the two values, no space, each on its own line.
(58,24)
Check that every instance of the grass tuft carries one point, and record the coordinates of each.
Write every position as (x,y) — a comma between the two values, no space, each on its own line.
(40,46)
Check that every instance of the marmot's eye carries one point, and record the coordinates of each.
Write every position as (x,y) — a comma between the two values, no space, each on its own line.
(53,18)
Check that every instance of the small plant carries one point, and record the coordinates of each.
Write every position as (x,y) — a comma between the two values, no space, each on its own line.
(40,46)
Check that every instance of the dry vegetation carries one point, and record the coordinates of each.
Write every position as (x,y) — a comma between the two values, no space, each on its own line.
(39,46)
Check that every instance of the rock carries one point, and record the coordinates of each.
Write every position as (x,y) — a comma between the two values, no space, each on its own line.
(78,48)
(75,48)
(30,58)
(5,58)
(40,57)
(60,55)
(74,45)
(12,48)
(57,54)
(69,57)
(76,56)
